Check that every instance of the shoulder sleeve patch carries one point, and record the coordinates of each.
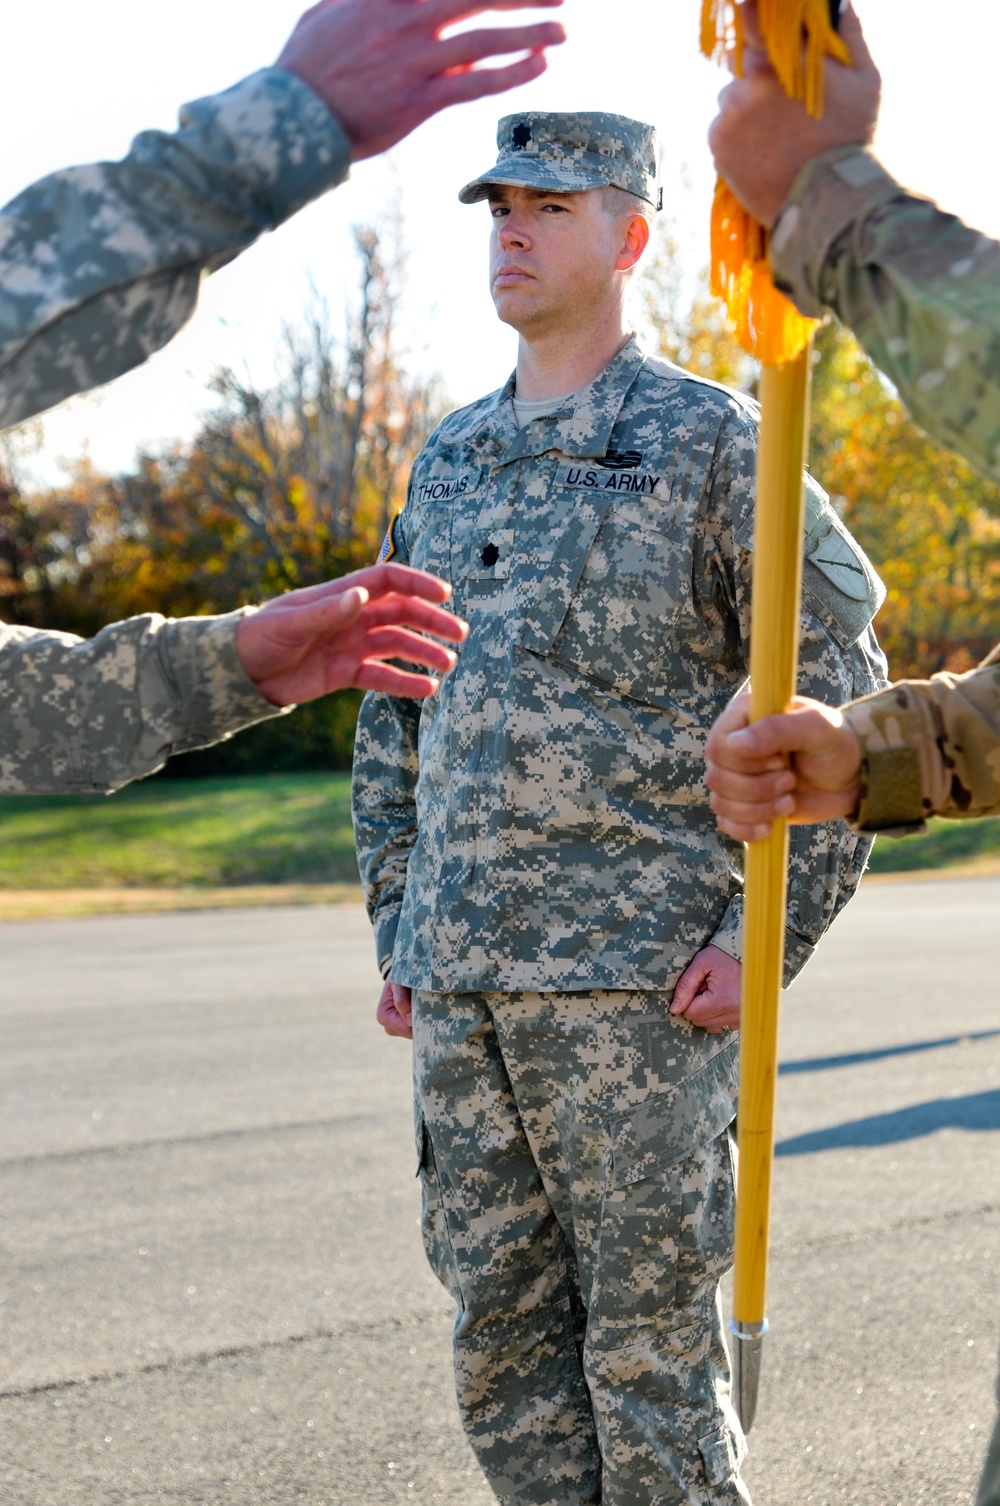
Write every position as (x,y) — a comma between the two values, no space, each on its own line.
(839,562)
(839,580)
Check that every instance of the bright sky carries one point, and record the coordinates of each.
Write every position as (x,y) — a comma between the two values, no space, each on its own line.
(80,81)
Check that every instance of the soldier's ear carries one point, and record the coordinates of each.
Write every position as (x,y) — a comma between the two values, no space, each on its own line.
(634,242)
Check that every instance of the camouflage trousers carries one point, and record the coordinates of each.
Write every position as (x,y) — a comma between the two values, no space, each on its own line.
(577,1174)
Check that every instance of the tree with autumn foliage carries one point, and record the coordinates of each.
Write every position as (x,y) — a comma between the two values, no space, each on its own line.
(930,523)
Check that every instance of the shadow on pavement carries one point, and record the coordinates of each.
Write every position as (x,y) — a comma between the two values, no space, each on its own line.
(976,1111)
(855,1058)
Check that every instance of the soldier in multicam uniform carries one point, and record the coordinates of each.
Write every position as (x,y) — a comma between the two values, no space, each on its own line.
(921,291)
(100,266)
(556,916)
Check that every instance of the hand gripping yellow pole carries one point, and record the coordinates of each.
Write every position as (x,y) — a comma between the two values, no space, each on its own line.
(799,34)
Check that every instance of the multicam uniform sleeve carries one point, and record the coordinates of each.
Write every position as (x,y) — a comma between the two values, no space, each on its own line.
(920,290)
(838,658)
(101,265)
(383,792)
(86,716)
(929,747)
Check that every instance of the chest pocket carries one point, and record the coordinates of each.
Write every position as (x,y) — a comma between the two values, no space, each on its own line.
(615,589)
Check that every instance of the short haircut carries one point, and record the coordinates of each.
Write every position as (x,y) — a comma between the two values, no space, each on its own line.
(618,203)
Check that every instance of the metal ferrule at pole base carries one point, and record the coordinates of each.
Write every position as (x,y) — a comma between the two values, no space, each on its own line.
(746,1357)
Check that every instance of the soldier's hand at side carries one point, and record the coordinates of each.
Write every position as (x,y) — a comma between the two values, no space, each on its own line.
(382,67)
(761,139)
(708,991)
(395,1010)
(328,637)
(804,764)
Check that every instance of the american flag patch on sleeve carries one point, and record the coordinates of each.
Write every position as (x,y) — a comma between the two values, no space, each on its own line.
(389,542)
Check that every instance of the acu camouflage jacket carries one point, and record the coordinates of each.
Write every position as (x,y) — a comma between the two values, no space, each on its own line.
(921,291)
(543,822)
(99,267)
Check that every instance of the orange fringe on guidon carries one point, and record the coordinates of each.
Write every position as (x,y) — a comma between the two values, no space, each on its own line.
(799,36)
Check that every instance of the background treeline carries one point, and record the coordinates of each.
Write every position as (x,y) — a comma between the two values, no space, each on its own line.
(290,485)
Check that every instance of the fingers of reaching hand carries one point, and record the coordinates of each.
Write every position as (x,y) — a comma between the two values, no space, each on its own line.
(478,83)
(401,579)
(442,13)
(374,674)
(412,612)
(474,46)
(394,642)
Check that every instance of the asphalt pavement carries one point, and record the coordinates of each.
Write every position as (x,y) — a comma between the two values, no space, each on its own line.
(213,1290)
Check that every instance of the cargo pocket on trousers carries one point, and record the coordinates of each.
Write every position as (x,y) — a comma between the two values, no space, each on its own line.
(666,1219)
(433,1218)
(722,1455)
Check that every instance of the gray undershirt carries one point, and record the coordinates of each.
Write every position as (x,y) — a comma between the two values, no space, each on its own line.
(527,408)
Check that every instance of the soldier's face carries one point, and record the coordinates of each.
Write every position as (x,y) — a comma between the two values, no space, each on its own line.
(553,258)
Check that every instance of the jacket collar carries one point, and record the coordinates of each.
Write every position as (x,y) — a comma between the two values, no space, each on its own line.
(581,430)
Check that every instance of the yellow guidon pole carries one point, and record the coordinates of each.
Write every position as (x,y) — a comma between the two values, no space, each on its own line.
(799,34)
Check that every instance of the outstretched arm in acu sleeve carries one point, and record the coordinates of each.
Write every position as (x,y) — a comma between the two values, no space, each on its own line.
(101,265)
(86,716)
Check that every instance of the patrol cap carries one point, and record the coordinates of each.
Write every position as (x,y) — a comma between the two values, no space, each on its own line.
(571,152)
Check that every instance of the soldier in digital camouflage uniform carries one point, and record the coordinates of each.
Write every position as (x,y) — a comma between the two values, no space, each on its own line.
(541,865)
(921,291)
(101,265)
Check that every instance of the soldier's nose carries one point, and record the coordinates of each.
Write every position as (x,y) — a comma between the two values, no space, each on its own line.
(513,235)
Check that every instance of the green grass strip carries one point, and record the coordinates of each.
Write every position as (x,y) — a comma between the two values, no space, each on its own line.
(945,844)
(254,829)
